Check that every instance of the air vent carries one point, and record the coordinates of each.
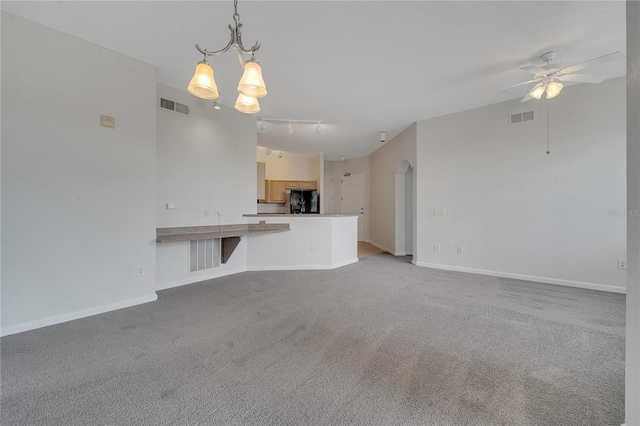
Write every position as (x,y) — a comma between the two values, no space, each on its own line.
(521,117)
(203,254)
(174,106)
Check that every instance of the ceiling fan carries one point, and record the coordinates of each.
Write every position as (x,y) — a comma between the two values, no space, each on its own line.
(548,78)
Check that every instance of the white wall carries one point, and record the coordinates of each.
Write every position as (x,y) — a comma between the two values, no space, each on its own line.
(205,161)
(384,166)
(516,210)
(78,214)
(350,165)
(632,369)
(288,167)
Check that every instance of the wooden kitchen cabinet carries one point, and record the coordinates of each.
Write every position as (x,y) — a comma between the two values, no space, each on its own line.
(277,191)
(302,184)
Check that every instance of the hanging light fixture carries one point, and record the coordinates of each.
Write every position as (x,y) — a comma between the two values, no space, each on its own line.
(553,89)
(247,104)
(251,85)
(203,85)
(537,91)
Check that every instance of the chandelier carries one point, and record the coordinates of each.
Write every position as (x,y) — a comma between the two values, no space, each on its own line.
(251,85)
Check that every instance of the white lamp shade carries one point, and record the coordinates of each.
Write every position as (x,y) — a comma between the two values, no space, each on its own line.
(537,91)
(247,104)
(553,89)
(251,84)
(203,84)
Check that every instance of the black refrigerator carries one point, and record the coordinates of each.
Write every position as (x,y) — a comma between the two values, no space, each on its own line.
(304,201)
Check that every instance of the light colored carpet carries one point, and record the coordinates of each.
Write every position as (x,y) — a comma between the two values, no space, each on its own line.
(378,342)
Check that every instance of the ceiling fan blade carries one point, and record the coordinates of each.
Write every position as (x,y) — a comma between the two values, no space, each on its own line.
(533,69)
(526,98)
(514,85)
(584,78)
(595,61)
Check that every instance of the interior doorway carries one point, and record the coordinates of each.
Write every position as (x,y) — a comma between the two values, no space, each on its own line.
(404,210)
(353,198)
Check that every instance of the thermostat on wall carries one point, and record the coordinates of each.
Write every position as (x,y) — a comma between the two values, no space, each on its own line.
(107,121)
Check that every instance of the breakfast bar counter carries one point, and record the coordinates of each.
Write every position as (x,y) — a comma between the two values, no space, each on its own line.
(315,241)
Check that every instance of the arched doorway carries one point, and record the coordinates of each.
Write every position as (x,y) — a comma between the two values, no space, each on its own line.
(404,209)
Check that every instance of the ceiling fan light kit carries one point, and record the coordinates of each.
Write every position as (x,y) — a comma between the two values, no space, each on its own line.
(549,77)
(251,85)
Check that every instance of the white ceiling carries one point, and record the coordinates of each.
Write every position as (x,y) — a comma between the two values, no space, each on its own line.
(358,67)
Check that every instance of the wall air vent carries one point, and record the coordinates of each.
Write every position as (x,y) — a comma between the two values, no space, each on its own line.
(203,254)
(174,106)
(521,117)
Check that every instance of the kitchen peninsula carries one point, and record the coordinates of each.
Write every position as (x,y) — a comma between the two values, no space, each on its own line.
(315,241)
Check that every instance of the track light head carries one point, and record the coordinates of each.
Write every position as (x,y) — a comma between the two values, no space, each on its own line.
(318,129)
(263,126)
(342,158)
(290,128)
(216,104)
(383,136)
(267,152)
(281,154)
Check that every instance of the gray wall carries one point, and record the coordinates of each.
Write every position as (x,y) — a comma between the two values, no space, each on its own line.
(632,391)
(78,216)
(517,211)
(384,166)
(205,161)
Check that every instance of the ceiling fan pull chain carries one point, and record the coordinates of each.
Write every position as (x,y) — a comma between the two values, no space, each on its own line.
(547,103)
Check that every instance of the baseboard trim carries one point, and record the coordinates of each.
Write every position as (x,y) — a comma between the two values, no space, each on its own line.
(545,280)
(44,322)
(380,246)
(199,278)
(302,267)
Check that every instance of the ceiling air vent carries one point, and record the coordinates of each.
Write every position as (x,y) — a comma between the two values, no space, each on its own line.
(521,117)
(174,106)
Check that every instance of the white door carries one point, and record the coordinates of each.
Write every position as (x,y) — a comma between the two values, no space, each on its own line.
(326,199)
(353,200)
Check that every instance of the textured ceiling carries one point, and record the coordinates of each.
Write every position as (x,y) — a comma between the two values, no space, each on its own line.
(358,67)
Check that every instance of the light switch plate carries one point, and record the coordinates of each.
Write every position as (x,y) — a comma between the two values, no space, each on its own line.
(438,212)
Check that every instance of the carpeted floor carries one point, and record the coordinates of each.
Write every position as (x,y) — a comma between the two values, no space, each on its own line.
(378,342)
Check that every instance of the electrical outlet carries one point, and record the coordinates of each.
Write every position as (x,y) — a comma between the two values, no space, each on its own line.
(622,263)
(439,212)
(313,249)
(224,212)
(206,213)
(459,250)
(140,271)
(436,247)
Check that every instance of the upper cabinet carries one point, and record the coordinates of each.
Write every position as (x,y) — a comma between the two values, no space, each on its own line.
(277,191)
(302,184)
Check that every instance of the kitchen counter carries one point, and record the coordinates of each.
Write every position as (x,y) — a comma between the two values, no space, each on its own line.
(306,216)
(187,233)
